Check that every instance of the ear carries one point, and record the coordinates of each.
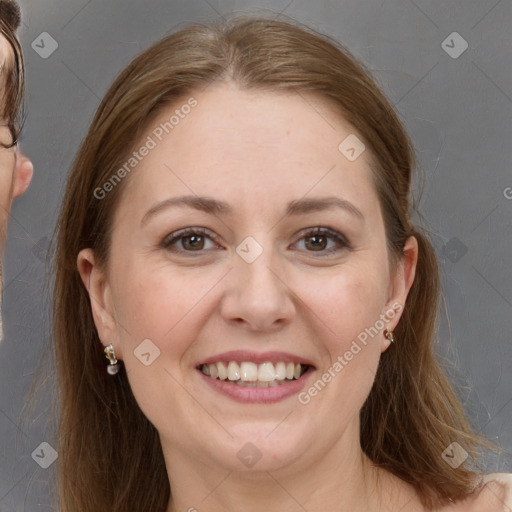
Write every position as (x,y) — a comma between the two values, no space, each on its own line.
(102,305)
(22,175)
(400,285)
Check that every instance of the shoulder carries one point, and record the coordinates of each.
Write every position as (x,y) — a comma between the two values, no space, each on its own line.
(495,493)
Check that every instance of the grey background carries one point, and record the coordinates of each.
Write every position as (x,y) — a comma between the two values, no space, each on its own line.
(457,110)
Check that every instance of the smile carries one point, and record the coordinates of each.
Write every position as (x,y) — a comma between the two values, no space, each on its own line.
(250,374)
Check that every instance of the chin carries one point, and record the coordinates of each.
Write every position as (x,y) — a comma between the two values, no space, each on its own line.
(256,448)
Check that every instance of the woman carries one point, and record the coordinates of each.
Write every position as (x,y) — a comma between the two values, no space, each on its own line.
(244,310)
(15,168)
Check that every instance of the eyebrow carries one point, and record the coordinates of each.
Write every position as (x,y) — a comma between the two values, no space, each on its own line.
(216,207)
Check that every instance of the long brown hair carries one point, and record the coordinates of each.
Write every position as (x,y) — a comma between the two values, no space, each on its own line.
(110,458)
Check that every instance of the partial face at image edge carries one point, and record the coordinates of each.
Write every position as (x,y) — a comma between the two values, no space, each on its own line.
(15,168)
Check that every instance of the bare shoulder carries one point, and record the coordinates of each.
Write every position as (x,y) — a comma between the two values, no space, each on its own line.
(495,495)
(499,490)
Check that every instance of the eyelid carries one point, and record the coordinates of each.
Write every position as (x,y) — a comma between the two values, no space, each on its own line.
(9,146)
(14,135)
(330,233)
(304,233)
(183,233)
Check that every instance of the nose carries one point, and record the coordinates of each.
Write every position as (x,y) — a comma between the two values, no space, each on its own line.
(258,296)
(22,174)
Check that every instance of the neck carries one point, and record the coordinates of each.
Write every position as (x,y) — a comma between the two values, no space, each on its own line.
(341,479)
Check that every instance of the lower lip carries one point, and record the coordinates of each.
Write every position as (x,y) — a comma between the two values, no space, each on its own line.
(254,395)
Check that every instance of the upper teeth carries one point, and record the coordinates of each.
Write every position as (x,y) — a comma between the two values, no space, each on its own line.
(252,372)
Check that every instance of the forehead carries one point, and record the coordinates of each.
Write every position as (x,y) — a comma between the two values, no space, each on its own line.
(250,148)
(256,130)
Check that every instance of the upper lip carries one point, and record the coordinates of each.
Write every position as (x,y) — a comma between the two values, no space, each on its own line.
(239,356)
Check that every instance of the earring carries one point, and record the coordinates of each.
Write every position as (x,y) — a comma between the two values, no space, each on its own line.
(110,354)
(389,335)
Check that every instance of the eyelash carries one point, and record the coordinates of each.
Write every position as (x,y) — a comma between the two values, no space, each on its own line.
(184,233)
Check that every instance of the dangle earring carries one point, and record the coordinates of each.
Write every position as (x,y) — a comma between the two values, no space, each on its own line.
(110,354)
(389,335)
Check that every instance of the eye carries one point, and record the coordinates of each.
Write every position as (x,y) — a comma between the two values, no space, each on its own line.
(318,238)
(194,240)
(8,136)
(190,239)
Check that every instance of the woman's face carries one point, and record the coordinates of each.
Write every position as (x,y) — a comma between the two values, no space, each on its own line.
(15,168)
(253,284)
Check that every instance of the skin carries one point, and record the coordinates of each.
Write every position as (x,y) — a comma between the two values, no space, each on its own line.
(15,168)
(257,151)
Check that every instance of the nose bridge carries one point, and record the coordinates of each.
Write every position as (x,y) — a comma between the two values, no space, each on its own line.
(258,293)
(256,266)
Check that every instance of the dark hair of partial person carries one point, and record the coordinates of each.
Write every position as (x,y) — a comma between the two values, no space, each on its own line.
(11,109)
(110,456)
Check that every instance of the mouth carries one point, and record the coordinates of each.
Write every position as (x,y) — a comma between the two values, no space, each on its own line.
(249,377)
(250,374)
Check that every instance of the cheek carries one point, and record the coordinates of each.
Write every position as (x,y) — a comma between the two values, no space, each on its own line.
(154,332)
(163,306)
(347,306)
(147,306)
(346,301)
